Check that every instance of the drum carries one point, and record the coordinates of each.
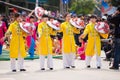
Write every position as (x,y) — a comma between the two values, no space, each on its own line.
(25,26)
(102,27)
(78,23)
(54,24)
(39,11)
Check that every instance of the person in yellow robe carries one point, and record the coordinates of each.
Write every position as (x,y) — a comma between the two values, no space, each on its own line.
(17,45)
(93,43)
(44,46)
(68,42)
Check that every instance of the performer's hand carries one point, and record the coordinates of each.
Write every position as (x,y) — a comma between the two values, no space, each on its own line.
(81,37)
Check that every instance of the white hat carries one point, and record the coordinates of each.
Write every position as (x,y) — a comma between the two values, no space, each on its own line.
(102,27)
(76,23)
(104,17)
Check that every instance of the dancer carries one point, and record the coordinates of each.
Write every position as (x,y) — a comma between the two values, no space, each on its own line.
(68,42)
(17,45)
(93,43)
(45,43)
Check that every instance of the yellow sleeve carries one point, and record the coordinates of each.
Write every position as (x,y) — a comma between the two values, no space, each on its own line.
(10,29)
(86,31)
(40,29)
(24,34)
(104,35)
(53,32)
(61,27)
(76,30)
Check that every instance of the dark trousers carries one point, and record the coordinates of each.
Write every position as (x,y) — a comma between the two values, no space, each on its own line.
(117,53)
(76,36)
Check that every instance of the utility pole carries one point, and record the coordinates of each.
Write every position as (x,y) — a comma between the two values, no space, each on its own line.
(37,1)
(6,8)
(61,6)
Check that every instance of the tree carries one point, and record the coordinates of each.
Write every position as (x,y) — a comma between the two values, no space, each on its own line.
(53,5)
(115,2)
(82,6)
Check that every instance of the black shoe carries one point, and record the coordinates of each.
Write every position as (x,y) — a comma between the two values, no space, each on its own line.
(88,66)
(107,59)
(42,68)
(114,68)
(22,70)
(98,67)
(72,66)
(51,68)
(14,70)
(67,67)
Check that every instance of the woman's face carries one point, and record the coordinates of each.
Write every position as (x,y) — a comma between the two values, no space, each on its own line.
(68,17)
(45,19)
(93,20)
(19,19)
(32,20)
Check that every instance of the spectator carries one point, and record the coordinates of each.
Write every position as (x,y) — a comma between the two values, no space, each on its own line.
(115,19)
(3,29)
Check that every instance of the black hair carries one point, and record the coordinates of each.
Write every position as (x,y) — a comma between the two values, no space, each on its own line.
(118,9)
(31,16)
(16,15)
(66,14)
(44,16)
(93,16)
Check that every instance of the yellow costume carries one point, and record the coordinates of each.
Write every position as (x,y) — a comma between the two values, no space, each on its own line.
(44,46)
(17,46)
(93,43)
(68,42)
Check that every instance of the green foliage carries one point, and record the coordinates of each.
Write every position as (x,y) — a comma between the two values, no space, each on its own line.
(115,2)
(82,6)
(53,5)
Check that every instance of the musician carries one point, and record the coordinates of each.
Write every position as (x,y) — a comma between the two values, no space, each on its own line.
(17,45)
(93,43)
(68,42)
(45,43)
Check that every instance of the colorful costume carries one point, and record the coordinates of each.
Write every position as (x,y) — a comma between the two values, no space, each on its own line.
(17,45)
(3,29)
(93,43)
(44,46)
(68,43)
(81,50)
(31,39)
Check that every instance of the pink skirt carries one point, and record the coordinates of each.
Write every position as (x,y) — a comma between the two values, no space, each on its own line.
(79,51)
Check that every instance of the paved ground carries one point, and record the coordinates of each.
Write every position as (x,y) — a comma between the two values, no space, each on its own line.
(79,73)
